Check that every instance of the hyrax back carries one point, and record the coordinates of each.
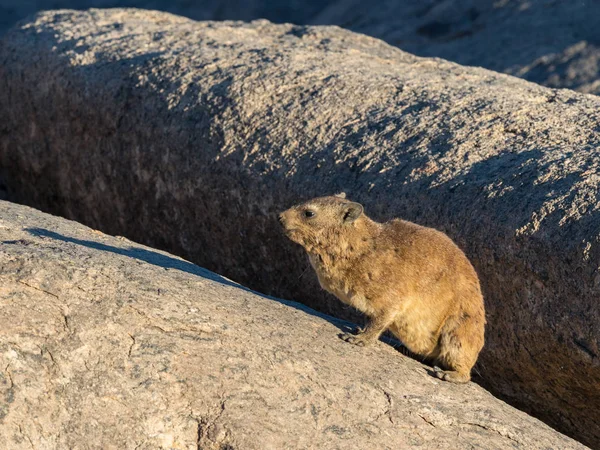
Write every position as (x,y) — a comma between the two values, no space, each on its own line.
(407,278)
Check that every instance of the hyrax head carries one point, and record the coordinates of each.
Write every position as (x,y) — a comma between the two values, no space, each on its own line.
(313,222)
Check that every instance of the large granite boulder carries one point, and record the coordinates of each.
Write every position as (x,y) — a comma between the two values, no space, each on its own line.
(110,344)
(191,136)
(554,43)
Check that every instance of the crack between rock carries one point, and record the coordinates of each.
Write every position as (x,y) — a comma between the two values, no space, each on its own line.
(427,420)
(66,320)
(529,352)
(161,329)
(43,350)
(388,411)
(38,289)
(131,346)
(51,357)
(149,319)
(139,445)
(26,437)
(10,378)
(66,325)
(474,424)
(204,426)
(505,435)
(585,348)
(222,406)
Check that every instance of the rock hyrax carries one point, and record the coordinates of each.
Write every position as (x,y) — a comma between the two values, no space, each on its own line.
(407,278)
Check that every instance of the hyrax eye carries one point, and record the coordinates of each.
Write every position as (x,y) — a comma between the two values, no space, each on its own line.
(309,213)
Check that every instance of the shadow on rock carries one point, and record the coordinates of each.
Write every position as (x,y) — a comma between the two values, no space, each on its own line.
(169,262)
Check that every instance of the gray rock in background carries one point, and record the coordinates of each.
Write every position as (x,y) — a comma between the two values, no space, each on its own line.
(550,42)
(554,43)
(110,344)
(192,136)
(300,11)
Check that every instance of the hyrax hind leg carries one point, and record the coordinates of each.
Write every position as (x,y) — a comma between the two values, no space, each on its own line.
(459,345)
(369,334)
(453,376)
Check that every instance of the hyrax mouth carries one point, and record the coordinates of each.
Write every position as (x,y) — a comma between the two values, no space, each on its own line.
(283,221)
(284,224)
(291,233)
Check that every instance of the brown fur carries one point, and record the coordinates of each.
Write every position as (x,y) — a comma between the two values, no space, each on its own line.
(407,278)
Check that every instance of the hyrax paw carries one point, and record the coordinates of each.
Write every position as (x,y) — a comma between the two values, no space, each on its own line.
(451,376)
(354,339)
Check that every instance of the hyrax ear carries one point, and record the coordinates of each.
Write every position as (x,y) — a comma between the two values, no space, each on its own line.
(352,211)
(340,195)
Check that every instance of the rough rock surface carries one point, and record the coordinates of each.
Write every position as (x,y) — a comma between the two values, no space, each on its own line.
(554,43)
(109,344)
(191,136)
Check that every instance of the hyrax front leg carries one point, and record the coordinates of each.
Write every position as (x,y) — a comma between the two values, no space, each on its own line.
(369,334)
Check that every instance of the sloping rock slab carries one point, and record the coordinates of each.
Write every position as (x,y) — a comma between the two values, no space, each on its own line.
(191,136)
(109,344)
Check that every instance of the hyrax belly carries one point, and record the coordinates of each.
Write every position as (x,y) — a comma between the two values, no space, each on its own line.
(416,328)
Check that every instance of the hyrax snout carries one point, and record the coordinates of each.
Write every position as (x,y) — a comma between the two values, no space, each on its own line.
(407,278)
